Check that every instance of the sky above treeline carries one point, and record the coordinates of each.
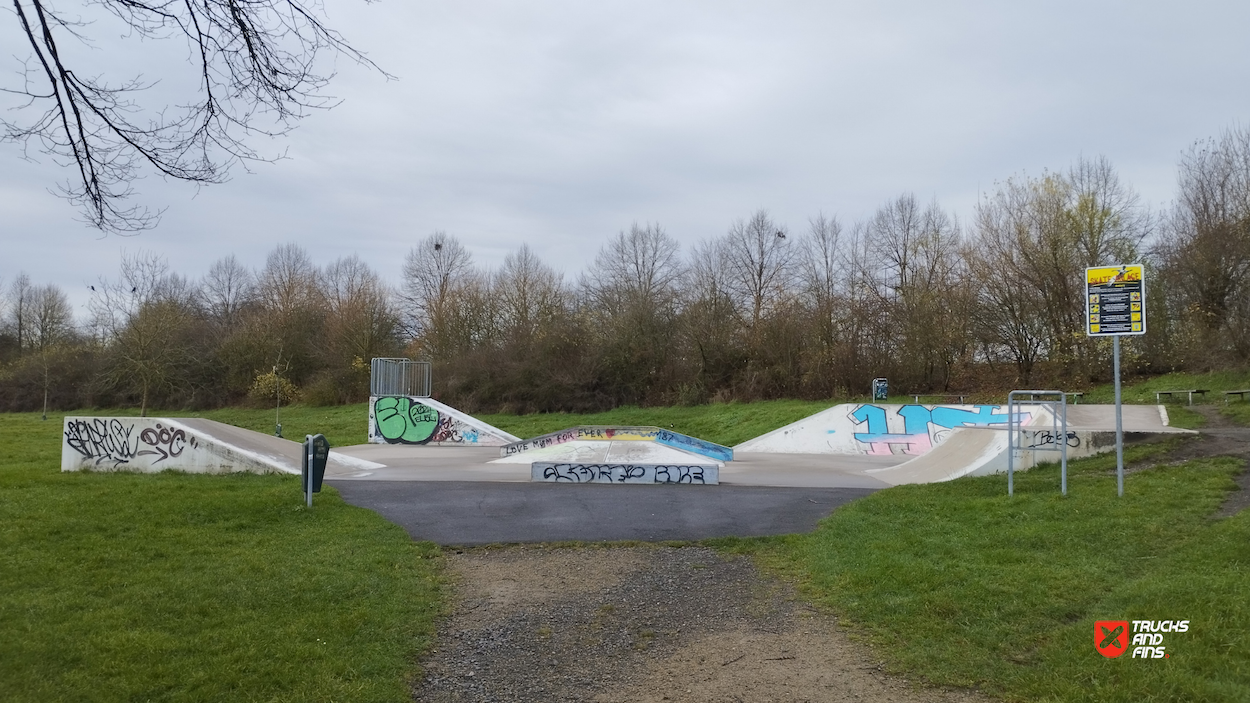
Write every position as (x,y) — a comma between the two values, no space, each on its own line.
(558,124)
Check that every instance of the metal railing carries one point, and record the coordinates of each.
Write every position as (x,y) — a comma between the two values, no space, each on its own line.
(1059,428)
(402,377)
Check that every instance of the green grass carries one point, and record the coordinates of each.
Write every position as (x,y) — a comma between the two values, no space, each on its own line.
(723,423)
(179,587)
(343,425)
(1238,412)
(961,585)
(1185,417)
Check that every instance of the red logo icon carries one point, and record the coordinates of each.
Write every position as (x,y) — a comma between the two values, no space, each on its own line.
(1111,637)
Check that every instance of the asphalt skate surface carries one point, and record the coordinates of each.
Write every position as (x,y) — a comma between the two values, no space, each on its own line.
(454,513)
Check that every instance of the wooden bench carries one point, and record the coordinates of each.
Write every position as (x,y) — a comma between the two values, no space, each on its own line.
(1240,394)
(1190,392)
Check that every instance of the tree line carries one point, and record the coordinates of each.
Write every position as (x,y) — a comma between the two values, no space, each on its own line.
(911,293)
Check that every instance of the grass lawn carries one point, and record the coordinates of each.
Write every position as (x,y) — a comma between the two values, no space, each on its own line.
(961,585)
(723,423)
(1238,412)
(180,587)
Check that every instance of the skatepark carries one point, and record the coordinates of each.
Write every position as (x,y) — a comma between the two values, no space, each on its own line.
(453,479)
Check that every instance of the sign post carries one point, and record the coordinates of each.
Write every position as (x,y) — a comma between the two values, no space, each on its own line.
(1115,305)
(316,452)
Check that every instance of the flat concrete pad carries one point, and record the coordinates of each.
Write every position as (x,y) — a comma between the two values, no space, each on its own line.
(475,512)
(423,463)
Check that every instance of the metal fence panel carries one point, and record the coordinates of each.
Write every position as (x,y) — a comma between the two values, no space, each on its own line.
(401,377)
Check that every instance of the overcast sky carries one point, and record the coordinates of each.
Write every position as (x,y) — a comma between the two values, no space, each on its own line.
(557,124)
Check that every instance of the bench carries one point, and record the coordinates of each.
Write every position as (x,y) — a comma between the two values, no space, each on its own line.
(918,396)
(1190,392)
(1077,395)
(1240,394)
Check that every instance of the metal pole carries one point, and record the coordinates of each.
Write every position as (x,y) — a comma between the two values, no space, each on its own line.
(1063,471)
(1119,421)
(1011,454)
(308,453)
(277,408)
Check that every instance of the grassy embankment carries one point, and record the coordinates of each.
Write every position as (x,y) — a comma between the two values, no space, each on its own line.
(198,588)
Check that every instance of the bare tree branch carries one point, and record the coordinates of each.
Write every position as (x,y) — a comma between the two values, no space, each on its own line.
(257,63)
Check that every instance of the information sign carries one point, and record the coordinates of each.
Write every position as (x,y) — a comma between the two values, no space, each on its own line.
(1115,300)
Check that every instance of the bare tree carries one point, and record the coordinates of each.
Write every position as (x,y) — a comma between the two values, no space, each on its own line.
(257,67)
(51,317)
(631,291)
(1054,227)
(760,263)
(143,278)
(288,283)
(227,289)
(433,271)
(530,293)
(145,318)
(1205,248)
(20,299)
(638,267)
(711,323)
(52,325)
(360,321)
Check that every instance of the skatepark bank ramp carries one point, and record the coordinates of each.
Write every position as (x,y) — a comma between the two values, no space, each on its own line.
(419,420)
(194,445)
(944,442)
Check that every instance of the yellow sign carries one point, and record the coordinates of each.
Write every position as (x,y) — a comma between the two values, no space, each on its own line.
(1115,300)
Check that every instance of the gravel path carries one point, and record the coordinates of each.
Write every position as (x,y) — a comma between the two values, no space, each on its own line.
(650,623)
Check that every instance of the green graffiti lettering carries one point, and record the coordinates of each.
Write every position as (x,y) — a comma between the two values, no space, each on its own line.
(401,421)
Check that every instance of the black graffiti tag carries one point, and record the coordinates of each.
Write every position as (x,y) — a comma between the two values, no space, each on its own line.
(165,441)
(623,473)
(1047,438)
(102,440)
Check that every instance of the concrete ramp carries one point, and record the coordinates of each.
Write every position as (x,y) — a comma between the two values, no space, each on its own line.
(980,451)
(615,433)
(425,421)
(194,445)
(606,452)
(878,429)
(618,455)
(942,442)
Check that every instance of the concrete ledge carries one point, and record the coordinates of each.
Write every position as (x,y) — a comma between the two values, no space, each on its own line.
(697,474)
